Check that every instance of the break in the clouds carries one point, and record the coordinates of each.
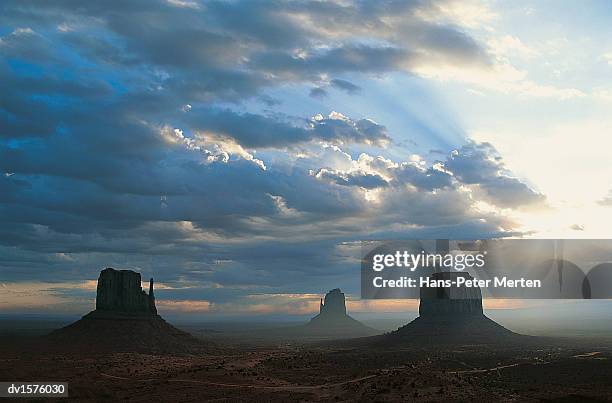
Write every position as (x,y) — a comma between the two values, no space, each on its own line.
(151,135)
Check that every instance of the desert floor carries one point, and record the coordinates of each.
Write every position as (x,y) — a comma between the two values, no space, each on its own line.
(563,370)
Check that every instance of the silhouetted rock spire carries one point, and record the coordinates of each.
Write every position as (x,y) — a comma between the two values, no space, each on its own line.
(152,307)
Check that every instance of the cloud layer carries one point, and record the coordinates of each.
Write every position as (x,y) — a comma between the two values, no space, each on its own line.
(128,138)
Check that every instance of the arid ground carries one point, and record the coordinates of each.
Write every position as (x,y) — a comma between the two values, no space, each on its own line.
(544,370)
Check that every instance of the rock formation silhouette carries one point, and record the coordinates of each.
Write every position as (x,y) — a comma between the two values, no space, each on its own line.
(451,315)
(333,306)
(125,319)
(333,320)
(438,302)
(120,291)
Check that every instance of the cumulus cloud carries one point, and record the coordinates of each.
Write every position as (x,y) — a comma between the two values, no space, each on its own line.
(475,165)
(479,164)
(318,92)
(258,131)
(362,179)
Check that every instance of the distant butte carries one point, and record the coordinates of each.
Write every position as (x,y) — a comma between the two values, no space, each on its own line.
(125,319)
(333,320)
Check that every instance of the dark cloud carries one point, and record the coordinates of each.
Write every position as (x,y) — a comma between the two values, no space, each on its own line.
(361,179)
(9,187)
(344,85)
(258,44)
(423,178)
(25,44)
(258,131)
(347,58)
(318,92)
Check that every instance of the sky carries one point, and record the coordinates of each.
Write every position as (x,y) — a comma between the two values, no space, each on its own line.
(238,152)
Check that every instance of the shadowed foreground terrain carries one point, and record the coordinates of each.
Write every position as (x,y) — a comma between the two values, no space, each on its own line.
(542,370)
